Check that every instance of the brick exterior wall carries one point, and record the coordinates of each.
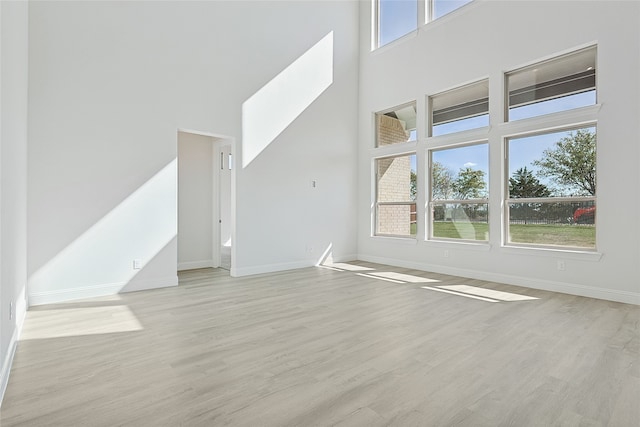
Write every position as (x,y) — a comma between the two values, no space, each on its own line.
(394,178)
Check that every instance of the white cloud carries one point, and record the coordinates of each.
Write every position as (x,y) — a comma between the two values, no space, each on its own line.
(469,164)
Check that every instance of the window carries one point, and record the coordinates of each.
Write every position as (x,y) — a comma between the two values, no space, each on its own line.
(442,7)
(552,188)
(396,126)
(460,109)
(397,18)
(557,85)
(396,196)
(459,192)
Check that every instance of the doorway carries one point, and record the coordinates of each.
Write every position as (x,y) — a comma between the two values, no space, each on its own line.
(225,158)
(205,220)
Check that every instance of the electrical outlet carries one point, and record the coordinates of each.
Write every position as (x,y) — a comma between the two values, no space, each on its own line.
(446,253)
(137,264)
(561,266)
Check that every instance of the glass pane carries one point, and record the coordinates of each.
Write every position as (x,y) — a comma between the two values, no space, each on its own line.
(396,126)
(395,19)
(460,109)
(553,105)
(557,85)
(396,220)
(460,125)
(558,164)
(460,173)
(396,182)
(553,223)
(461,221)
(396,179)
(442,7)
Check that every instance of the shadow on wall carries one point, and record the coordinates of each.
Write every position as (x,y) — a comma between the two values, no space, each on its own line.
(108,256)
(278,103)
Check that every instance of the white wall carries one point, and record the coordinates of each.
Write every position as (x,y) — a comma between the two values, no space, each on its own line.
(110,84)
(483,40)
(195,201)
(13,178)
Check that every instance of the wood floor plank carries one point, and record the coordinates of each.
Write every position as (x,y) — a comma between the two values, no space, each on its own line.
(322,346)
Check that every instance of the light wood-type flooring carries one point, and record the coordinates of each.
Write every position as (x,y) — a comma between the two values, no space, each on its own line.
(355,344)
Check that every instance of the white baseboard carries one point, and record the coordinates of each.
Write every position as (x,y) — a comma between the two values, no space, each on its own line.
(193,265)
(272,268)
(64,295)
(8,359)
(545,285)
(269,268)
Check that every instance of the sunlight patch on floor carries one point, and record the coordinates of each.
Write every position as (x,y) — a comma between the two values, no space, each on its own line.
(370,276)
(488,293)
(459,294)
(71,322)
(409,278)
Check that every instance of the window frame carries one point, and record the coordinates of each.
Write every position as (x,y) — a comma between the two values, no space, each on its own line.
(377,203)
(425,10)
(544,62)
(431,202)
(507,200)
(384,113)
(430,123)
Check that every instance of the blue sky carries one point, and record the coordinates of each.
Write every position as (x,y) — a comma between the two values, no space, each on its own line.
(472,156)
(522,151)
(399,17)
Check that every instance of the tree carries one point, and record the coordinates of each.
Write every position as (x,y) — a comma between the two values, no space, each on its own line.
(413,186)
(442,181)
(469,184)
(524,185)
(572,162)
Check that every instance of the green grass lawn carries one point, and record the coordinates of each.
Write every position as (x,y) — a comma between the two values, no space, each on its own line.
(561,235)
(582,236)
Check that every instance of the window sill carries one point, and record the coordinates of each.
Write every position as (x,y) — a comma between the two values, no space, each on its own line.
(408,147)
(396,239)
(383,48)
(569,253)
(551,121)
(462,244)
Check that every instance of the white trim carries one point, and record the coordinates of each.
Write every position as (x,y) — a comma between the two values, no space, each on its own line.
(405,240)
(6,366)
(541,284)
(64,295)
(559,121)
(193,265)
(285,266)
(202,133)
(8,360)
(552,252)
(394,150)
(269,268)
(466,245)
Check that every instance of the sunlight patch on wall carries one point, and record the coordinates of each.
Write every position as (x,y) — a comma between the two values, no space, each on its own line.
(138,228)
(278,103)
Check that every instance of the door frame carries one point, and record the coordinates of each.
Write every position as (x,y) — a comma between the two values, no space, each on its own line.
(220,140)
